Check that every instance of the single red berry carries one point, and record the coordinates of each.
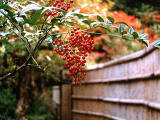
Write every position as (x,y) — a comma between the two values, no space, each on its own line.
(76,82)
(84,74)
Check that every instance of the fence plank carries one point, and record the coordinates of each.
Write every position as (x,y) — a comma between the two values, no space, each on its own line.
(127,88)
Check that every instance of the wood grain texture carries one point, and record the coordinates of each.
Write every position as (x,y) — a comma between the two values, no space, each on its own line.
(127,88)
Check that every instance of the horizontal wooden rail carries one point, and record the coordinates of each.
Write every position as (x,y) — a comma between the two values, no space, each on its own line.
(97,114)
(124,79)
(145,103)
(124,59)
(136,75)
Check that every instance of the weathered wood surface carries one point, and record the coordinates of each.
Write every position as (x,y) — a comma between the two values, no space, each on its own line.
(66,110)
(127,88)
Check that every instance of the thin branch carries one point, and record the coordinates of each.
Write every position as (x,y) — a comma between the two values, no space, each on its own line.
(26,62)
(22,37)
(90,33)
(17,29)
(29,51)
(42,26)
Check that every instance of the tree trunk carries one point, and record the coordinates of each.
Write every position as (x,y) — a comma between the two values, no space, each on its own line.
(25,95)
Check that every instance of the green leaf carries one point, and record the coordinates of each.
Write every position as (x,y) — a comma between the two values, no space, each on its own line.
(55,46)
(71,23)
(124,32)
(111,19)
(43,2)
(80,16)
(56,36)
(157,44)
(10,15)
(66,42)
(131,30)
(105,28)
(73,10)
(5,42)
(49,39)
(146,42)
(100,19)
(21,24)
(108,22)
(36,16)
(121,28)
(55,20)
(140,40)
(5,7)
(61,48)
(143,36)
(42,22)
(121,23)
(88,22)
(48,4)
(95,25)
(26,20)
(30,7)
(135,35)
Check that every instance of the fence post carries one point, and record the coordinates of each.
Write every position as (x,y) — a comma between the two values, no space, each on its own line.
(66,106)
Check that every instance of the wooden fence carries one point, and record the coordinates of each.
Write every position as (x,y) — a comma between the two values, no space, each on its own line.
(127,88)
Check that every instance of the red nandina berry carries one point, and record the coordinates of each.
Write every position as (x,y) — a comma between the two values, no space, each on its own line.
(83,64)
(59,40)
(71,52)
(75,51)
(82,69)
(71,1)
(62,4)
(76,82)
(84,74)
(65,46)
(85,54)
(83,57)
(68,66)
(54,13)
(58,45)
(48,13)
(70,74)
(93,48)
(82,77)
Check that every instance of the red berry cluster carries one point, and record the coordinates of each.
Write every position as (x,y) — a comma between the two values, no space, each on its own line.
(75,52)
(61,4)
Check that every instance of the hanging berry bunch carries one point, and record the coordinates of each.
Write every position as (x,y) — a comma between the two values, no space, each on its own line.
(75,52)
(61,4)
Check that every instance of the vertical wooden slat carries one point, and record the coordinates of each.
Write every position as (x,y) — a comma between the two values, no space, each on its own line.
(66,102)
(126,90)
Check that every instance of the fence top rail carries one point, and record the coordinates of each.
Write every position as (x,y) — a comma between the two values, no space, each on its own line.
(124,59)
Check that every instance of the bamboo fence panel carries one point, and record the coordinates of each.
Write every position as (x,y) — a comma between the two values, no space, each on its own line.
(127,88)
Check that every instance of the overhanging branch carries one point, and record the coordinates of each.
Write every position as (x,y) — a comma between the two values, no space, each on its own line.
(26,62)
